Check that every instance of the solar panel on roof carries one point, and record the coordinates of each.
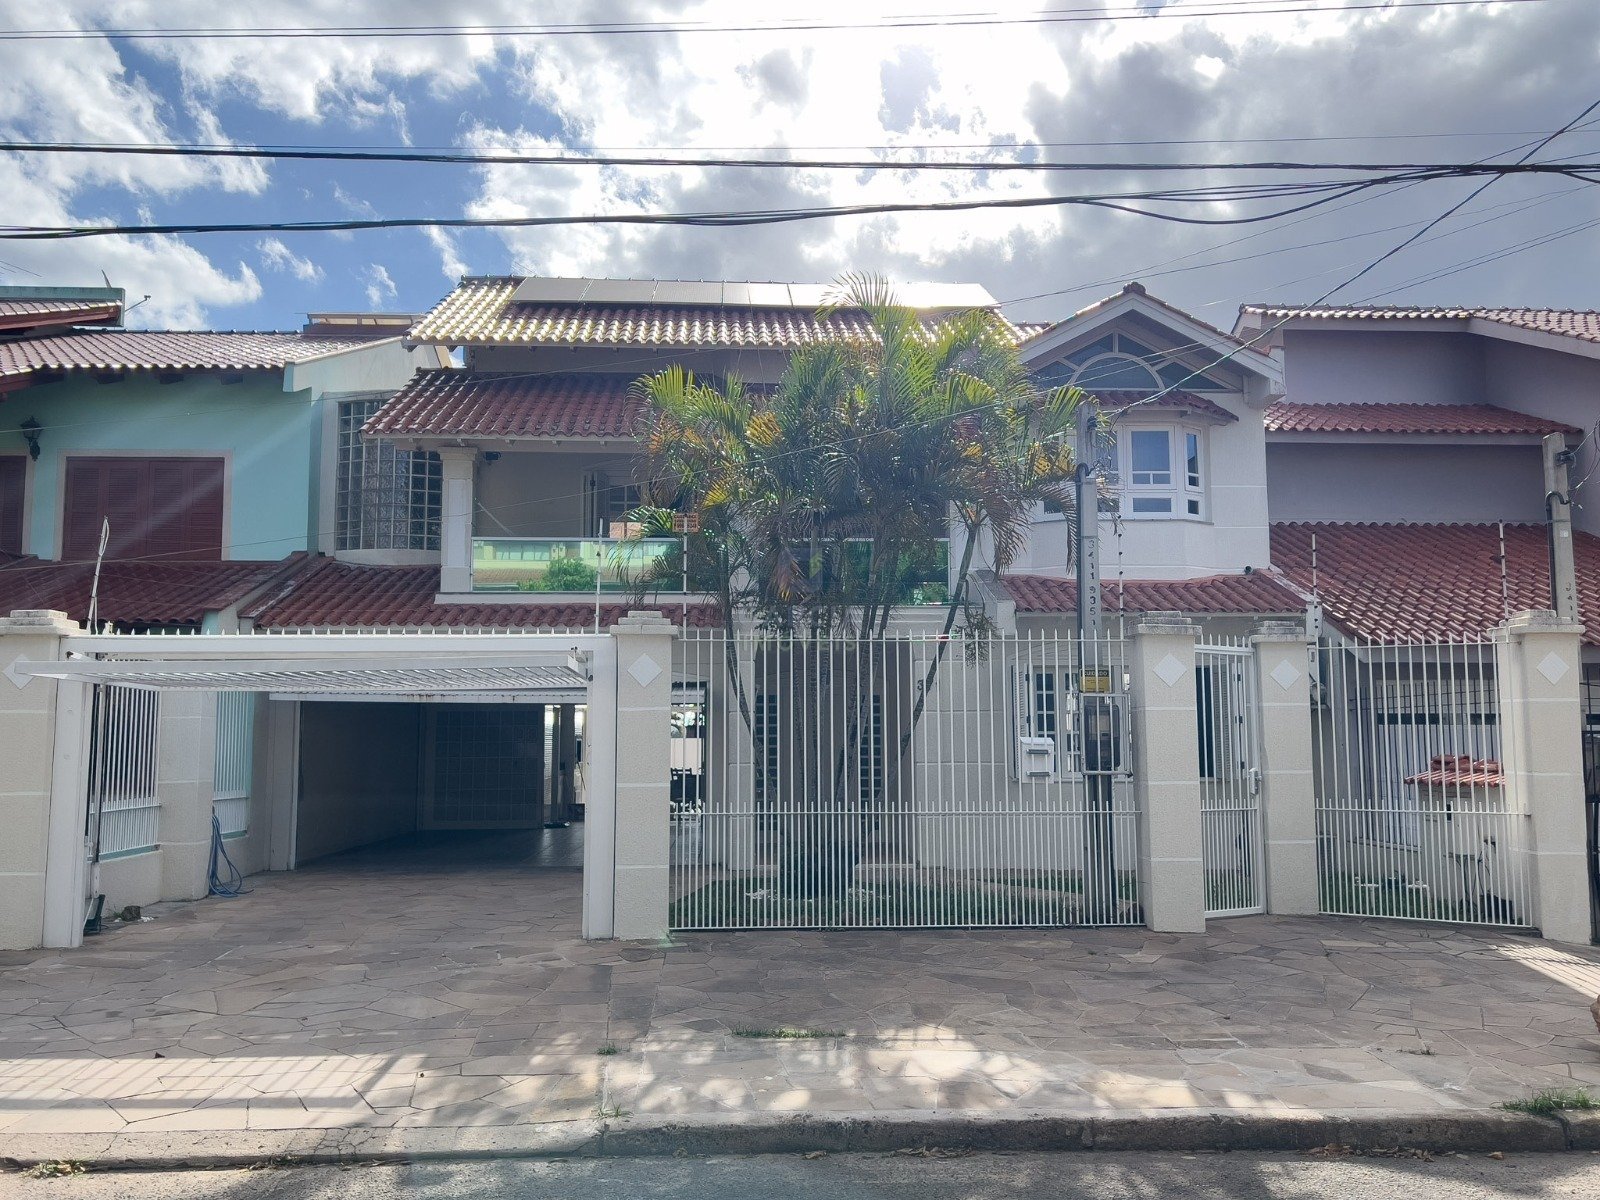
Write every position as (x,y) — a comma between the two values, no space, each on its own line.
(538,289)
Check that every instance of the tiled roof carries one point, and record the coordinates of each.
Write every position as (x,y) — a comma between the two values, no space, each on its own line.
(1565,322)
(480,312)
(153,350)
(1117,401)
(135,593)
(464,404)
(1423,582)
(336,595)
(1465,419)
(1257,592)
(27,314)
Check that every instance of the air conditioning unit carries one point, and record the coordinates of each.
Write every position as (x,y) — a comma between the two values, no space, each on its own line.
(1037,757)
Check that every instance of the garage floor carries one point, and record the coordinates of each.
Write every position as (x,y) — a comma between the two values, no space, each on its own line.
(446,985)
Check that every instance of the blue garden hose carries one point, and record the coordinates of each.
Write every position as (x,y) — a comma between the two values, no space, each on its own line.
(225,878)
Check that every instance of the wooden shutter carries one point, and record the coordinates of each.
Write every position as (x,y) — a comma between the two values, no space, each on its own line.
(13,476)
(163,509)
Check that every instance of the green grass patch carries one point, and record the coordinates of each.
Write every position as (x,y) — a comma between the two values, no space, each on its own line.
(1546,1102)
(608,1049)
(789,1035)
(921,899)
(1346,894)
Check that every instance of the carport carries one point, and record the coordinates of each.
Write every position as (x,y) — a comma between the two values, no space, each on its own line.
(341,709)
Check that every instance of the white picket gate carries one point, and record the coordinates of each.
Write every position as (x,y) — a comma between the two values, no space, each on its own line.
(901,781)
(1230,778)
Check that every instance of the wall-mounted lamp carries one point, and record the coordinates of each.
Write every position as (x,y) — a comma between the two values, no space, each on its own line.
(30,430)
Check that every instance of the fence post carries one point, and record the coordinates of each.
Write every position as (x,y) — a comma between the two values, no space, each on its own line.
(1539,672)
(186,754)
(43,729)
(1288,792)
(1167,774)
(643,773)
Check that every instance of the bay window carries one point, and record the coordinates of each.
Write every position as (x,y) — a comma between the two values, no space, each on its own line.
(1162,471)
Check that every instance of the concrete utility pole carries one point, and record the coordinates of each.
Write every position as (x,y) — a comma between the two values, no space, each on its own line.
(1088,529)
(1558,522)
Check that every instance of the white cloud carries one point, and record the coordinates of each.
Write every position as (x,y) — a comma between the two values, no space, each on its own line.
(275,256)
(380,287)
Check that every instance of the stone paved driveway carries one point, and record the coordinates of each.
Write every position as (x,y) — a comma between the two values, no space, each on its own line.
(348,995)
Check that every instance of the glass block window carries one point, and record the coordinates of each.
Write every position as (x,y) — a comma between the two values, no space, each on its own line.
(389,499)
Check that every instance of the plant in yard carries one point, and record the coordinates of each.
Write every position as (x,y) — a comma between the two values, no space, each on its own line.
(608,1049)
(1549,1101)
(816,504)
(788,1035)
(56,1169)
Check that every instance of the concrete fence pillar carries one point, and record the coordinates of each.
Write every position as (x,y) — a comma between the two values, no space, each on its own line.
(1288,790)
(643,774)
(458,470)
(1166,764)
(42,724)
(1539,675)
(186,741)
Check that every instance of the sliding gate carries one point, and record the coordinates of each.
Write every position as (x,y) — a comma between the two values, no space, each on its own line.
(902,781)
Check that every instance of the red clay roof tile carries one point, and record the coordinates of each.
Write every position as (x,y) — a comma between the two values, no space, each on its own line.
(464,404)
(336,595)
(1258,592)
(154,350)
(1462,419)
(1426,582)
(1574,323)
(136,593)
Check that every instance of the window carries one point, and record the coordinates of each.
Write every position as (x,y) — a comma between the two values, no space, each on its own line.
(1156,482)
(1118,363)
(163,509)
(388,498)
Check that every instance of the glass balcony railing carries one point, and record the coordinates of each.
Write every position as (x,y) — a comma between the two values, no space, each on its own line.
(587,565)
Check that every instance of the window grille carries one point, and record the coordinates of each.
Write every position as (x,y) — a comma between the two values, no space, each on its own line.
(389,499)
(125,811)
(234,755)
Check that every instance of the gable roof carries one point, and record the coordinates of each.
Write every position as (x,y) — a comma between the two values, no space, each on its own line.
(21,314)
(136,593)
(1428,582)
(162,350)
(1468,420)
(1258,592)
(467,404)
(486,311)
(1043,344)
(330,594)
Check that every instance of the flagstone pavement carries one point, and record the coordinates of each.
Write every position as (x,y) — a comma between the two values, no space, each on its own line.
(360,993)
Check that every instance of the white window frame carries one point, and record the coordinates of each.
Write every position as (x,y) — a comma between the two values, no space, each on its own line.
(1178,489)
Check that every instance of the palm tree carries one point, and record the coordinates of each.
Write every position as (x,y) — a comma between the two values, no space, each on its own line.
(818,500)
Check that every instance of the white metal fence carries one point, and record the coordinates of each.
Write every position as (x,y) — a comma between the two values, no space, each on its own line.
(124,810)
(236,713)
(1230,777)
(901,781)
(1412,812)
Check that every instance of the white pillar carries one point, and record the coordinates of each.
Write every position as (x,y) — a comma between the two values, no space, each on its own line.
(643,773)
(458,470)
(186,741)
(1167,774)
(1288,792)
(1539,671)
(42,789)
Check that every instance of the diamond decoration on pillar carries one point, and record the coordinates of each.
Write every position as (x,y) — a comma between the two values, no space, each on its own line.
(1552,666)
(644,670)
(1169,670)
(16,676)
(1285,675)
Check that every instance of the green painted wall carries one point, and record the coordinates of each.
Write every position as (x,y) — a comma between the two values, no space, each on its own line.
(272,440)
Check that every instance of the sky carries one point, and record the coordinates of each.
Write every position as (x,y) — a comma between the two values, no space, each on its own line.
(1345,83)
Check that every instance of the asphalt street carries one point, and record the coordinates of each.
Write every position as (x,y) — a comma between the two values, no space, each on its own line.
(930,1176)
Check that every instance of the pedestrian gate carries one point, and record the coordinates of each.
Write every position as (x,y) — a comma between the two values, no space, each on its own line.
(1230,778)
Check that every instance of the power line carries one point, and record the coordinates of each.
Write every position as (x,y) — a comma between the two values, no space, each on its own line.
(1321,192)
(1066,16)
(497,158)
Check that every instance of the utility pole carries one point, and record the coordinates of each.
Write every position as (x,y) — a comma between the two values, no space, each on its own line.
(1558,523)
(1100,719)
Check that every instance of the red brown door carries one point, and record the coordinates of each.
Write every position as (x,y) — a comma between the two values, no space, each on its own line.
(162,509)
(13,477)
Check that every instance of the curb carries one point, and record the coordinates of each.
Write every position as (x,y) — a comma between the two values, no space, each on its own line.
(761,1133)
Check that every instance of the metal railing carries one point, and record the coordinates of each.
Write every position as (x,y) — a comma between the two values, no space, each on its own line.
(124,808)
(901,781)
(1230,777)
(236,712)
(582,565)
(1413,818)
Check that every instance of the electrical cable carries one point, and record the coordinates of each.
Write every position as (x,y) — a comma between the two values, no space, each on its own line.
(223,877)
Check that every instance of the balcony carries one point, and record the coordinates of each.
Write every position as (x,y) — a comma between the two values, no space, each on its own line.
(586,565)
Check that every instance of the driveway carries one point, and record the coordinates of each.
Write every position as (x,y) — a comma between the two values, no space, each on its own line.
(412,989)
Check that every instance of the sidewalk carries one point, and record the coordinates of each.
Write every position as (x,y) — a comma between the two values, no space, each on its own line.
(339,1000)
